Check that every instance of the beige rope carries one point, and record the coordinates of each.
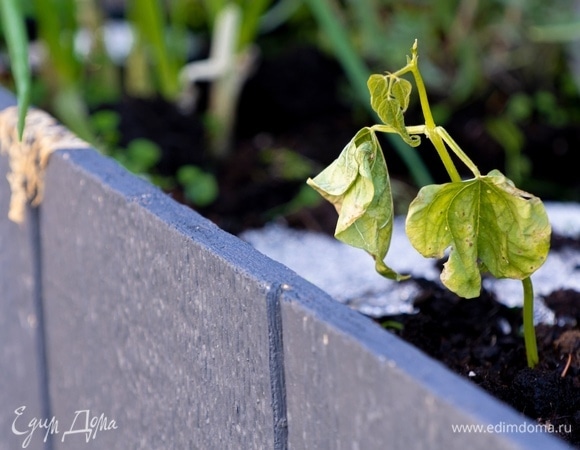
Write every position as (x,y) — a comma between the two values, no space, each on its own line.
(29,157)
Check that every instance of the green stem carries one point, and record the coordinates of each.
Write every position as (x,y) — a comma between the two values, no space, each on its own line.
(529,330)
(430,126)
(457,150)
(413,129)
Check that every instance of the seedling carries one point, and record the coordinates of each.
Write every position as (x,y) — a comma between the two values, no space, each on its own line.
(485,223)
(569,344)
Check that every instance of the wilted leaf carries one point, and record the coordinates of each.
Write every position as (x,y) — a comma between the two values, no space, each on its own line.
(390,99)
(357,184)
(487,223)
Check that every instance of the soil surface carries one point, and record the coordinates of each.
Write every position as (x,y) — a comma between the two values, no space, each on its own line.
(482,340)
(293,102)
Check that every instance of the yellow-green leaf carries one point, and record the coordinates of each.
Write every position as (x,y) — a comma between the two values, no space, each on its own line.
(357,184)
(390,99)
(487,223)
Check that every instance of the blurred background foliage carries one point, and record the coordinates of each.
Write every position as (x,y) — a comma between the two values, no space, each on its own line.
(513,63)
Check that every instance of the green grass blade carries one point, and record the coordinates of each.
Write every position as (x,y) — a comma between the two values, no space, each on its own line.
(369,24)
(148,15)
(212,8)
(57,33)
(177,40)
(252,11)
(17,42)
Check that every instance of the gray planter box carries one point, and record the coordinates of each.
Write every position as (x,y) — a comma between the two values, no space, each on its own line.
(123,306)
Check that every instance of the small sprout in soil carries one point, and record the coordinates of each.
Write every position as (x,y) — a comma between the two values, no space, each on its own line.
(393,325)
(487,224)
(569,344)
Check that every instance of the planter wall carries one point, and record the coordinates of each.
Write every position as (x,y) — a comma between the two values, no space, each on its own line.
(22,368)
(186,337)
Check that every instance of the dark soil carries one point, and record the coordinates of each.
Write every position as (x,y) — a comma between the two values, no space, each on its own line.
(293,103)
(482,340)
(290,103)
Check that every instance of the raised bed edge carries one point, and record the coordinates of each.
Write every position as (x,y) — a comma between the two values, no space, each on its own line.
(328,350)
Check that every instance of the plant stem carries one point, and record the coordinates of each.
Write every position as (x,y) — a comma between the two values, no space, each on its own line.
(529,330)
(430,126)
(413,129)
(457,150)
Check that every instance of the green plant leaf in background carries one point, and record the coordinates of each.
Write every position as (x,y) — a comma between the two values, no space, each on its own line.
(487,223)
(148,17)
(61,69)
(390,99)
(511,138)
(357,184)
(14,28)
(139,157)
(142,155)
(200,187)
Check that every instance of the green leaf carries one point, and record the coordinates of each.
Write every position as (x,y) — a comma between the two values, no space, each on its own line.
(487,223)
(390,99)
(199,187)
(143,155)
(357,184)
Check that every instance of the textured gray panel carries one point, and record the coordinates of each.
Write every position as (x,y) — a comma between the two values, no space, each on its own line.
(352,385)
(156,317)
(20,355)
